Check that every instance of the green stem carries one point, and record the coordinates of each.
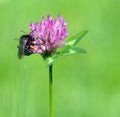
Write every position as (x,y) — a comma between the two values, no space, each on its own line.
(51,91)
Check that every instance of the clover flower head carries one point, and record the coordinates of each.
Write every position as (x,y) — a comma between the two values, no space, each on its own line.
(49,35)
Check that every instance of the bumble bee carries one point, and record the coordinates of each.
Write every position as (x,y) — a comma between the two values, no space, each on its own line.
(25,44)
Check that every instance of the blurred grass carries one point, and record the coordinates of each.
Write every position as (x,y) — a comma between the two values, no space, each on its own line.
(84,85)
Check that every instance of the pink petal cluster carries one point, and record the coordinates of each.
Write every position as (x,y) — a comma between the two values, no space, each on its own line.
(49,35)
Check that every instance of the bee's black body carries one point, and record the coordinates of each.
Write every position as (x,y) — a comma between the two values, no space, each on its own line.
(24,45)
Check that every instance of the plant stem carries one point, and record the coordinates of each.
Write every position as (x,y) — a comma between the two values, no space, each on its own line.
(51,92)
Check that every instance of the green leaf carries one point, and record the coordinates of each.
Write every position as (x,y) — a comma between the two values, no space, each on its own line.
(50,60)
(68,49)
(63,48)
(72,50)
(76,38)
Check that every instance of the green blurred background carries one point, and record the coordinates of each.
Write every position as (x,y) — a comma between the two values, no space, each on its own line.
(84,85)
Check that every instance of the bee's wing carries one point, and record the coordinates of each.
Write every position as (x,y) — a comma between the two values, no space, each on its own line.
(21,47)
(20,51)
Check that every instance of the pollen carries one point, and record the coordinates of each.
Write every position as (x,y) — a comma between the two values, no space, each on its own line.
(33,47)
